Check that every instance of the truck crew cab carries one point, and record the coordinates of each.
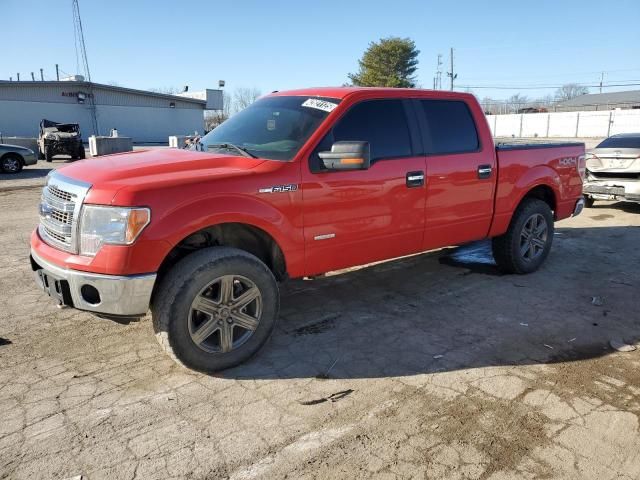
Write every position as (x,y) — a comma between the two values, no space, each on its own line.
(300,183)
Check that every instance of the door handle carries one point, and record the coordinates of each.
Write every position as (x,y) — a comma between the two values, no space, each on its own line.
(484,171)
(415,179)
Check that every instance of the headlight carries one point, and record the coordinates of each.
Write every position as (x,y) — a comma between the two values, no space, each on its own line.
(110,225)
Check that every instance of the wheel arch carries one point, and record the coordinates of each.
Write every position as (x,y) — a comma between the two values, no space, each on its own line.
(243,236)
(541,182)
(13,154)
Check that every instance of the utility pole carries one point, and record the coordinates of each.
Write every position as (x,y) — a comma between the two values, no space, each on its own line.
(57,73)
(601,80)
(439,73)
(452,75)
(41,75)
(33,77)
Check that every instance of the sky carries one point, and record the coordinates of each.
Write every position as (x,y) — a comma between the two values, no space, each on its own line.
(285,44)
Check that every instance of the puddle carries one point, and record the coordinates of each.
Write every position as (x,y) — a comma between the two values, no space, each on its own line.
(475,257)
(602,216)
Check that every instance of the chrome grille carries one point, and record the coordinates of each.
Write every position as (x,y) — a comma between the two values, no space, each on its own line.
(54,191)
(59,210)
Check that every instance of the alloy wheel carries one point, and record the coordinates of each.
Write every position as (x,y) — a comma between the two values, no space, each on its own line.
(533,237)
(225,314)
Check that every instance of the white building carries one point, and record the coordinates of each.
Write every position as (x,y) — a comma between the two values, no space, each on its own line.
(147,117)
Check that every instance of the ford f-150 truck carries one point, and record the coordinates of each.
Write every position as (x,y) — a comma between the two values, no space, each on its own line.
(300,183)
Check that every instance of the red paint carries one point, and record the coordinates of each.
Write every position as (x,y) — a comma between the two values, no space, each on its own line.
(372,213)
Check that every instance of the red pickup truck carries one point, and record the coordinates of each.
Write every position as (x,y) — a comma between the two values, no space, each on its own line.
(300,183)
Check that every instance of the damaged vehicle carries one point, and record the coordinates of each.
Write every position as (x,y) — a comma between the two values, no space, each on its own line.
(613,170)
(59,139)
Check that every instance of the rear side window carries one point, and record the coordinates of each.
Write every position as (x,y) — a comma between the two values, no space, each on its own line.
(382,123)
(451,127)
(620,142)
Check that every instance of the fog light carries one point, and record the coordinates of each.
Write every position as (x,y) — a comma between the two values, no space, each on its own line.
(90,294)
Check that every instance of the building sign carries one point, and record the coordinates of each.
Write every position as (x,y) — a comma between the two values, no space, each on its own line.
(77,94)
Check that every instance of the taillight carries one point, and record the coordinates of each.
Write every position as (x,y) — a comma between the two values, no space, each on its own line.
(582,166)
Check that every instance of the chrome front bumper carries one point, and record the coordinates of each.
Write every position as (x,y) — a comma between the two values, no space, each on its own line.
(128,295)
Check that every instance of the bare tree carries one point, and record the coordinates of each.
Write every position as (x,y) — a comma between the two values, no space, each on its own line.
(490,106)
(569,91)
(243,97)
(167,90)
(516,102)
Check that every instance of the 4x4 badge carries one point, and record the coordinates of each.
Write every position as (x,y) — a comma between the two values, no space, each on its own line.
(291,187)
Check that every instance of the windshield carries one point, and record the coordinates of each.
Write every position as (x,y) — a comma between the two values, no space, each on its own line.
(274,128)
(620,142)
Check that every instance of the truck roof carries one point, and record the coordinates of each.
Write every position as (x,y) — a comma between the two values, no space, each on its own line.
(343,92)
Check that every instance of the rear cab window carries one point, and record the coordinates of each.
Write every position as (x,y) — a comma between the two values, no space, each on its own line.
(450,127)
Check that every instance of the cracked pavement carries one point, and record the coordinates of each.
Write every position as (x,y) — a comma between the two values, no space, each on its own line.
(417,368)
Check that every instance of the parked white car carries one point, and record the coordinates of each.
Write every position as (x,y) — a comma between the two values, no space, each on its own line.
(613,170)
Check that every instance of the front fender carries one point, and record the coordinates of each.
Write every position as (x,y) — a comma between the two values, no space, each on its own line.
(282,222)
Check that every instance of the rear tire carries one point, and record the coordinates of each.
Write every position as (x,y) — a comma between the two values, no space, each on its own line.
(48,154)
(203,328)
(588,202)
(81,153)
(526,245)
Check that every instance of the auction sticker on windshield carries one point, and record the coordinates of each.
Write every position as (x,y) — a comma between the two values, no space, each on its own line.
(319,104)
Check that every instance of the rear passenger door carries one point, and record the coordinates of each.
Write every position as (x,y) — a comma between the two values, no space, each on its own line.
(359,216)
(461,174)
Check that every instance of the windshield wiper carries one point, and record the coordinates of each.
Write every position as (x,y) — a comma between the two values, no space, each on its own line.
(230,146)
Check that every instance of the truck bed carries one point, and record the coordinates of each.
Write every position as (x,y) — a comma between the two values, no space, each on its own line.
(528,145)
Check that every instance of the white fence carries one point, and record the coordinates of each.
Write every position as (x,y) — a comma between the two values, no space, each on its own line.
(565,124)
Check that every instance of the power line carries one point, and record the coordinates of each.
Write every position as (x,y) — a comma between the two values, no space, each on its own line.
(542,87)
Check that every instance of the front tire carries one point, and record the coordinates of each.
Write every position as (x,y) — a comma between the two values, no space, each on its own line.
(526,245)
(48,154)
(215,308)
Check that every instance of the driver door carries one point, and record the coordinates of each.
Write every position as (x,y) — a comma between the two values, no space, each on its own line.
(353,217)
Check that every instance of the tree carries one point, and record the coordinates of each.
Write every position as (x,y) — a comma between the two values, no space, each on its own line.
(391,62)
(243,97)
(569,91)
(517,101)
(167,90)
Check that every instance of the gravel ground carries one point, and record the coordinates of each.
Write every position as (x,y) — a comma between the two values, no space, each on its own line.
(425,367)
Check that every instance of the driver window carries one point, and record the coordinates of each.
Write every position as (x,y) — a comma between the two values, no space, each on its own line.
(382,123)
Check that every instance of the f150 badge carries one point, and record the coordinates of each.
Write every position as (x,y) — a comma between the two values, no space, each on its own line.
(291,187)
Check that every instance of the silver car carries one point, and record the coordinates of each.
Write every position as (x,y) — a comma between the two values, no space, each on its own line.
(613,170)
(13,158)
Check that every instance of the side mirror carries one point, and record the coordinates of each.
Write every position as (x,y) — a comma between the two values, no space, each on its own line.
(347,156)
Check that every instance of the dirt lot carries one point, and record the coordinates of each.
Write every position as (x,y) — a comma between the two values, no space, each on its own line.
(418,368)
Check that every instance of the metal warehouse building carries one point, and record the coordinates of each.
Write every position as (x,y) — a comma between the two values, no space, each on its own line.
(601,101)
(144,116)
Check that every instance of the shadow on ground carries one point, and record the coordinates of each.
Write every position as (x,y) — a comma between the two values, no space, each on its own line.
(452,309)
